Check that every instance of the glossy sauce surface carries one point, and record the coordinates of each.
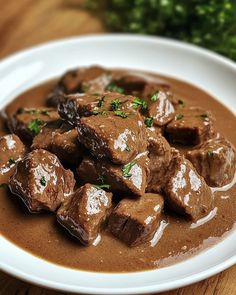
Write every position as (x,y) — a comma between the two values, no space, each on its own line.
(176,240)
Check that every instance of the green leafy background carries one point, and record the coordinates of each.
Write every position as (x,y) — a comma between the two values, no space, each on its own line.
(210,24)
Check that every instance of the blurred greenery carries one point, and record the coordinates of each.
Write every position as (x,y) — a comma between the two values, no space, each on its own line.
(207,23)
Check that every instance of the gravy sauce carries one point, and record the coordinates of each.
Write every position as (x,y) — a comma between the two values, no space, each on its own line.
(176,239)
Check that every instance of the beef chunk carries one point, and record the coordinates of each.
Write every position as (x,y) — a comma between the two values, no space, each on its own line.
(113,137)
(128,84)
(41,181)
(130,178)
(12,150)
(215,160)
(73,107)
(61,139)
(159,103)
(186,191)
(83,214)
(27,123)
(134,221)
(191,126)
(160,156)
(90,80)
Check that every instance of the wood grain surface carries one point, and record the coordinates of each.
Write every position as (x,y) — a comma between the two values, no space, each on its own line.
(24,23)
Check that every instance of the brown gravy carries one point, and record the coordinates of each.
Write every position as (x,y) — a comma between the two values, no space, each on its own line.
(40,234)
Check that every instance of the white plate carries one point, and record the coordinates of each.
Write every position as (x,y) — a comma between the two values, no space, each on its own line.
(211,72)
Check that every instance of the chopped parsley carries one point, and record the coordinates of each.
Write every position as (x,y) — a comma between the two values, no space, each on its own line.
(138,102)
(101,101)
(43,181)
(155,96)
(179,117)
(44,112)
(181,103)
(95,112)
(11,161)
(33,112)
(96,94)
(3,185)
(121,114)
(35,126)
(102,186)
(210,153)
(115,104)
(126,169)
(114,88)
(148,122)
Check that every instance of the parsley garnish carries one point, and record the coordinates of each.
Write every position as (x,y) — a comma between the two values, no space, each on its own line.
(181,103)
(3,185)
(148,121)
(43,181)
(114,88)
(102,186)
(121,114)
(101,101)
(179,117)
(210,153)
(35,126)
(44,112)
(155,96)
(11,161)
(126,169)
(138,102)
(115,104)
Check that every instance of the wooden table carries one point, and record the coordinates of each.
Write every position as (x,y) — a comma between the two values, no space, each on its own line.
(24,23)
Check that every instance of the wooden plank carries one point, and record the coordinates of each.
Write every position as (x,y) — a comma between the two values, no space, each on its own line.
(24,23)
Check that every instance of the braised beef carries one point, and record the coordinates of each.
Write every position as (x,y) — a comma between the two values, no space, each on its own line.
(84,213)
(41,181)
(114,137)
(186,192)
(12,151)
(90,80)
(191,126)
(130,178)
(160,156)
(27,122)
(134,221)
(215,160)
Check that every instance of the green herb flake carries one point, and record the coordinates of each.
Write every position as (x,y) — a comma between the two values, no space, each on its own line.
(181,103)
(127,148)
(148,122)
(126,169)
(102,186)
(114,88)
(204,117)
(101,101)
(11,161)
(43,181)
(121,114)
(35,126)
(45,112)
(96,94)
(3,185)
(210,153)
(138,102)
(155,96)
(115,104)
(179,117)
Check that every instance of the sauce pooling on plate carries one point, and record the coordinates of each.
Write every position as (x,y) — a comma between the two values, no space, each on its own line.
(127,171)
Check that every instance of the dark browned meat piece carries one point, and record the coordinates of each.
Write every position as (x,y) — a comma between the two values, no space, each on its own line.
(27,123)
(186,191)
(73,107)
(134,221)
(160,156)
(128,84)
(90,80)
(159,103)
(130,178)
(191,126)
(113,137)
(12,151)
(83,214)
(215,160)
(59,138)
(41,181)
